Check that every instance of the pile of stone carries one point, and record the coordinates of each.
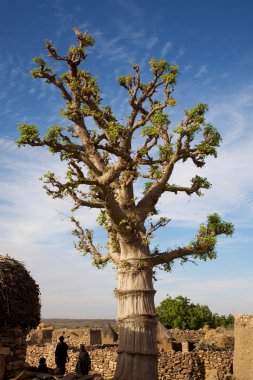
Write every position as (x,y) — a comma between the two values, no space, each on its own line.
(187,335)
(216,340)
(41,335)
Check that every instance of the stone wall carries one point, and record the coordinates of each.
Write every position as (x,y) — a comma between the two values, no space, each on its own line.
(12,351)
(243,352)
(190,335)
(201,365)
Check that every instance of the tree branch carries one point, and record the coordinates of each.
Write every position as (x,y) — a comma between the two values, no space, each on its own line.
(203,247)
(86,245)
(162,222)
(70,188)
(197,184)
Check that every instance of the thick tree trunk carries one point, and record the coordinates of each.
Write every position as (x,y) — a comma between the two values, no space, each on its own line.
(137,319)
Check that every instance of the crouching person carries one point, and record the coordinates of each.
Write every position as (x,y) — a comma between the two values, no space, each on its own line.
(83,365)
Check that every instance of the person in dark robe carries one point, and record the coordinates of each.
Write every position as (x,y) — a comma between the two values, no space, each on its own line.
(61,355)
(42,365)
(83,364)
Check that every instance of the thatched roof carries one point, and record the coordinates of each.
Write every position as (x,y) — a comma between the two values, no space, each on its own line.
(163,332)
(108,331)
(19,295)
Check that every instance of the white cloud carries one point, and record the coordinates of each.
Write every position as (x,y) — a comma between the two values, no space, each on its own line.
(202,70)
(151,42)
(180,53)
(223,295)
(230,174)
(34,230)
(166,48)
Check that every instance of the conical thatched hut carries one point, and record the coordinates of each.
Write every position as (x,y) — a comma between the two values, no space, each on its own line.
(109,336)
(19,312)
(164,338)
(19,295)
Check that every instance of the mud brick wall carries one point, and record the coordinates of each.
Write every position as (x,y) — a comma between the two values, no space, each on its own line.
(12,351)
(243,351)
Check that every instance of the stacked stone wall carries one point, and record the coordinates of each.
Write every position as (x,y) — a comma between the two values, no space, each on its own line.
(172,365)
(189,335)
(12,351)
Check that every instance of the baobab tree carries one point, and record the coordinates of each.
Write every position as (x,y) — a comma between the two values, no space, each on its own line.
(102,170)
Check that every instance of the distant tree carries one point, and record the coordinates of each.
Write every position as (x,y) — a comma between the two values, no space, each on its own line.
(180,313)
(103,168)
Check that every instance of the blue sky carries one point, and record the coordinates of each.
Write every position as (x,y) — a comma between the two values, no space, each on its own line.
(212,44)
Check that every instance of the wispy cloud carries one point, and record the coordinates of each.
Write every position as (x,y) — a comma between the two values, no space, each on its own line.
(202,70)
(222,295)
(166,48)
(35,229)
(180,53)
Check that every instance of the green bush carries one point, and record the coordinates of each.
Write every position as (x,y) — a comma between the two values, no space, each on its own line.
(180,313)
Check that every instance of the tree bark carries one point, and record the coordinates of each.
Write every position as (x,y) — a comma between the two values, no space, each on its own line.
(137,319)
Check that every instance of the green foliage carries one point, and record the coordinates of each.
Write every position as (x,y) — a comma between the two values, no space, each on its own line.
(180,313)
(87,38)
(166,152)
(53,133)
(73,50)
(170,78)
(200,183)
(212,140)
(217,226)
(149,130)
(28,134)
(122,222)
(197,112)
(155,171)
(39,61)
(171,102)
(114,130)
(101,219)
(125,80)
(160,120)
(147,186)
(159,67)
(36,73)
(207,235)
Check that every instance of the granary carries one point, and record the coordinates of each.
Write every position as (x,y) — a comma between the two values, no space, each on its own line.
(19,313)
(109,336)
(165,340)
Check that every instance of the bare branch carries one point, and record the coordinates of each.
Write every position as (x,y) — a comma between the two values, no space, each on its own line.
(86,246)
(162,222)
(60,190)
